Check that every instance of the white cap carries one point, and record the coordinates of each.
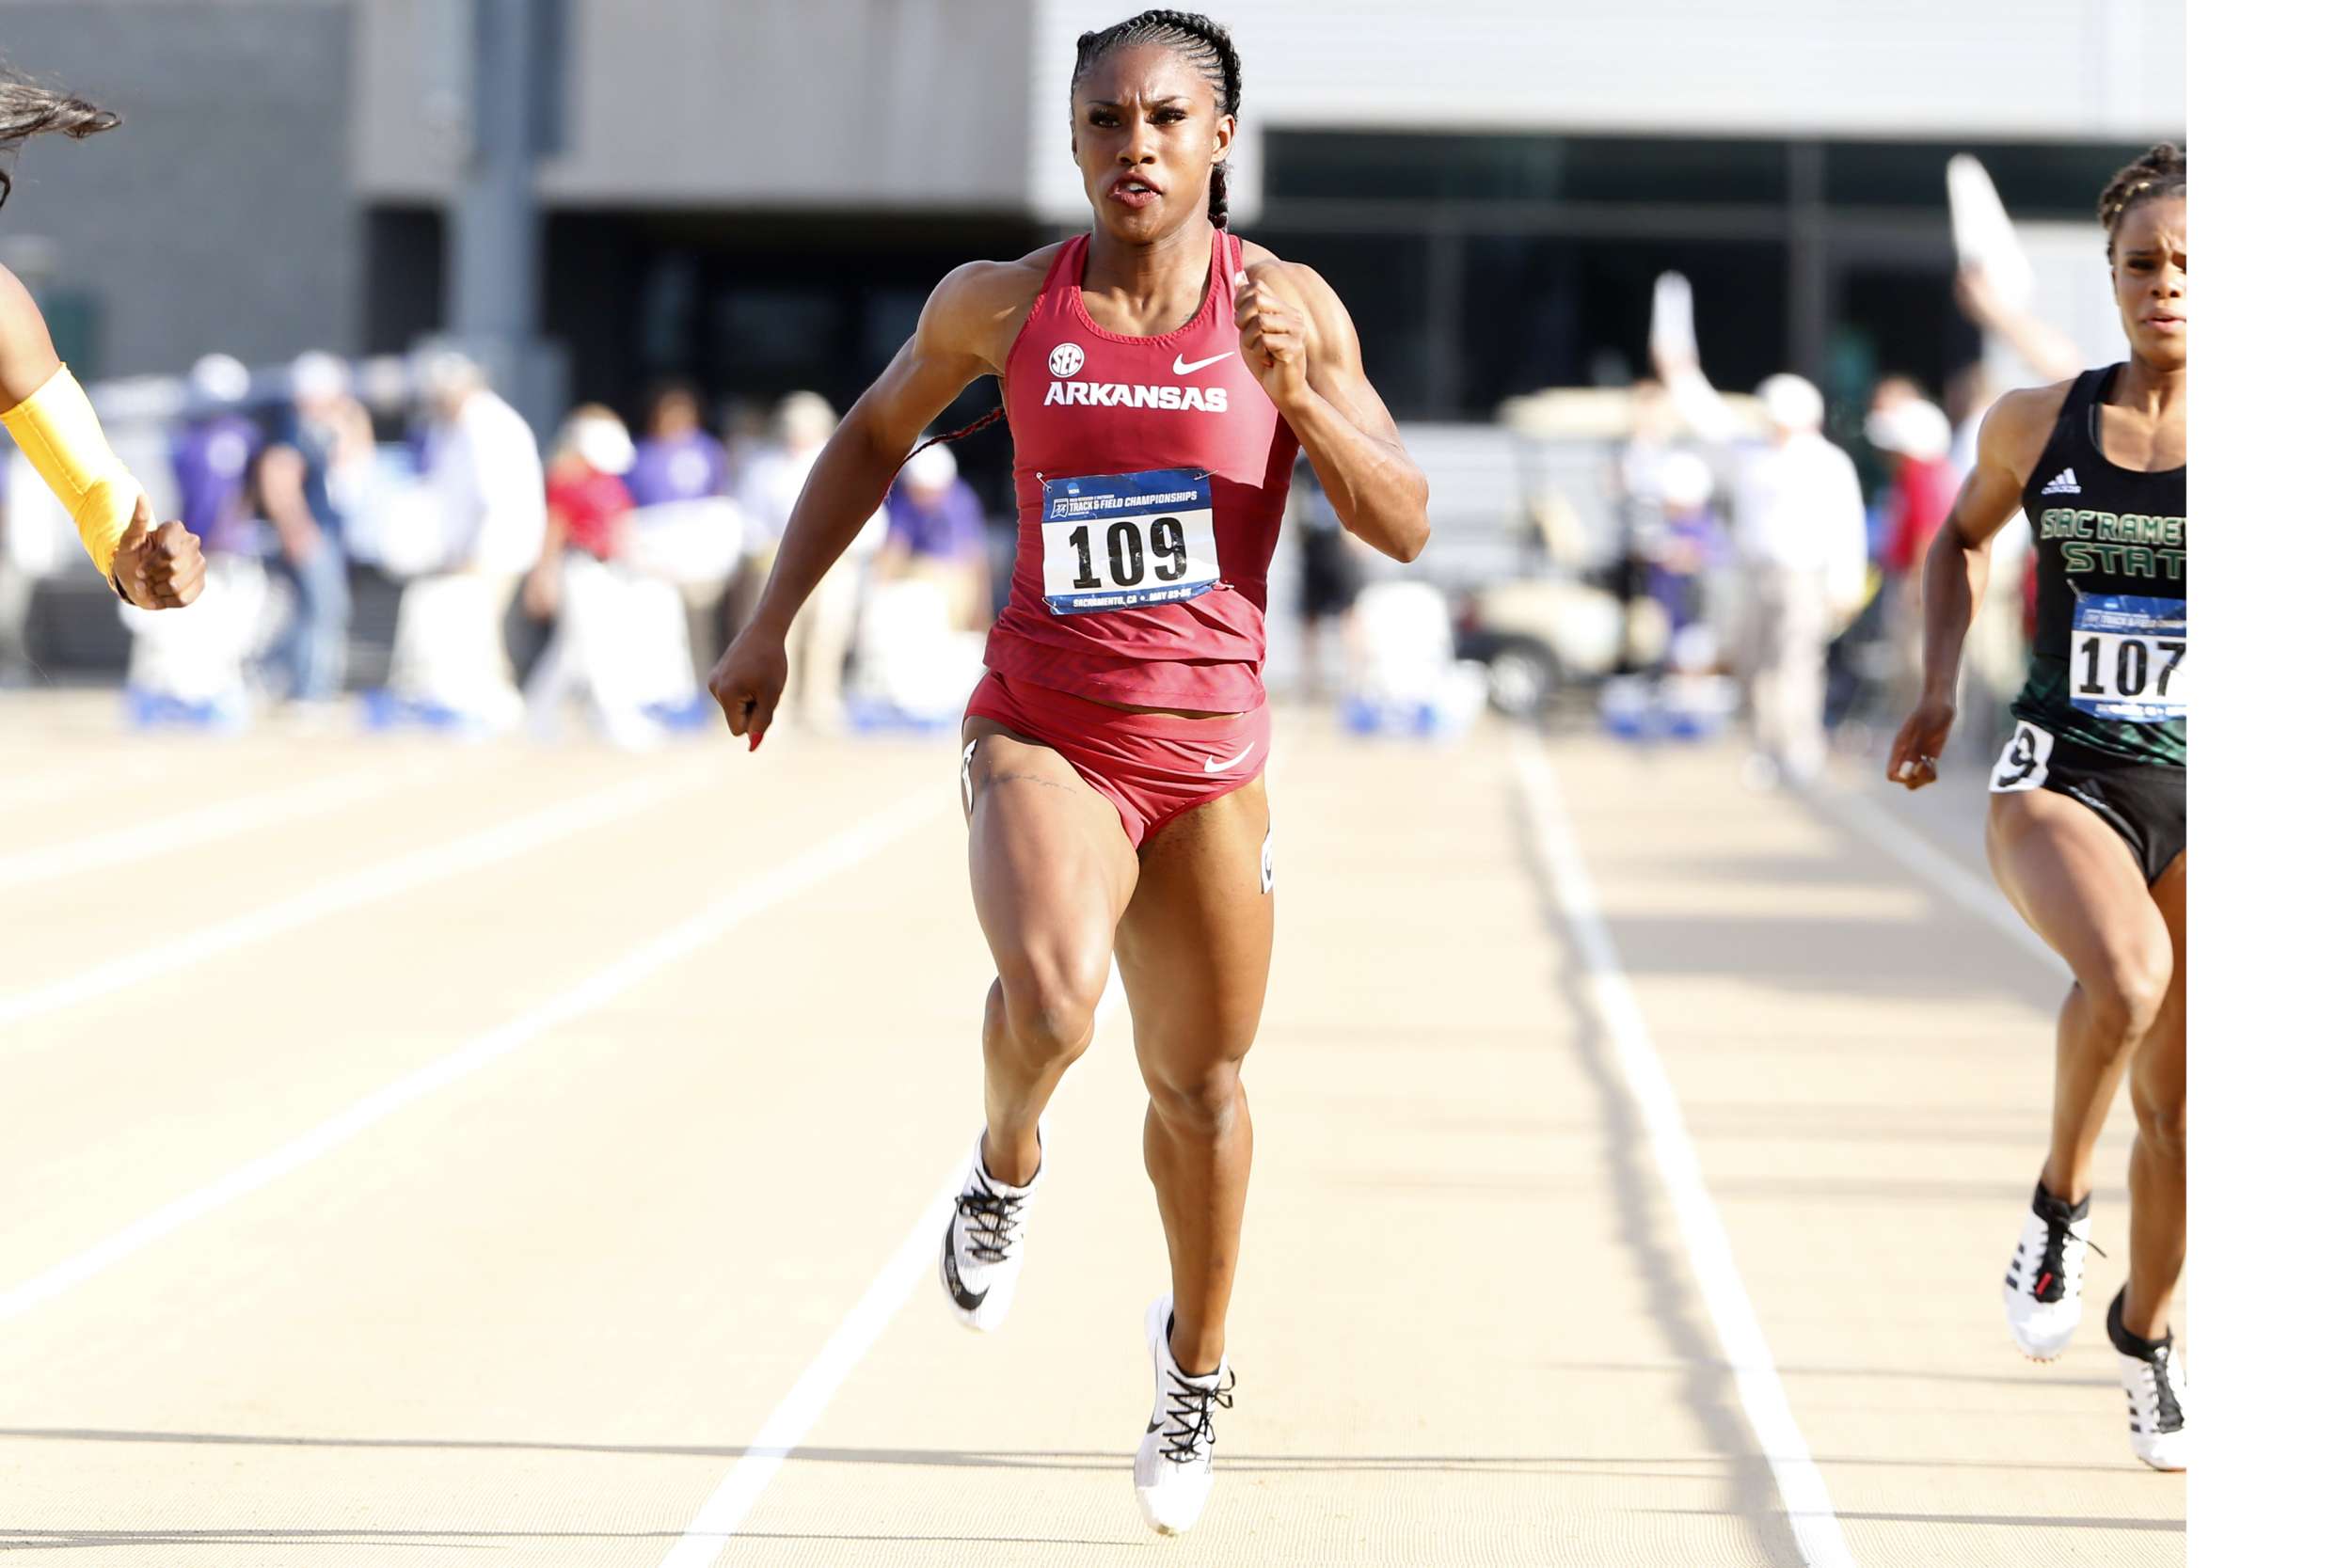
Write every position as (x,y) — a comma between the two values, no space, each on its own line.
(1685,479)
(602,440)
(316,375)
(932,468)
(1915,427)
(1792,402)
(805,419)
(221,378)
(446,372)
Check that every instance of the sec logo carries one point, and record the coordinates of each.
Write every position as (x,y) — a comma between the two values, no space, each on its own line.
(1066,359)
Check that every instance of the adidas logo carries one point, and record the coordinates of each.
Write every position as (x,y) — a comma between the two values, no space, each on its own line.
(2063,484)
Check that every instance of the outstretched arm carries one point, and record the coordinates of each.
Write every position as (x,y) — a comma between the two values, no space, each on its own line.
(2047,351)
(51,417)
(1953,573)
(959,337)
(1303,348)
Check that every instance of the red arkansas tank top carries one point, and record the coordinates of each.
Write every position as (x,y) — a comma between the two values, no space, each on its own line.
(1150,474)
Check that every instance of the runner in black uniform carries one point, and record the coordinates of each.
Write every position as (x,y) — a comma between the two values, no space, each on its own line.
(2087,833)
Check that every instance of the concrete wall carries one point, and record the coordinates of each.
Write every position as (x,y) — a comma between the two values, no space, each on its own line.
(2010,68)
(890,103)
(220,215)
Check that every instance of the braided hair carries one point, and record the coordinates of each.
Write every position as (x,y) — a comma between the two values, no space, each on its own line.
(1204,45)
(2160,173)
(28,109)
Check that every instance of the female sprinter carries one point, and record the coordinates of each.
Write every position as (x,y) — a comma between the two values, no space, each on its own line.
(2089,829)
(1159,374)
(52,420)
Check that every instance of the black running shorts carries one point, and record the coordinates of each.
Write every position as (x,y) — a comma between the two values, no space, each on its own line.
(2145,802)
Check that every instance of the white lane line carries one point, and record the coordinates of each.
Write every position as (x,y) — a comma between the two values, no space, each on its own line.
(1906,843)
(138,840)
(403,873)
(1803,1492)
(723,1512)
(787,1426)
(844,850)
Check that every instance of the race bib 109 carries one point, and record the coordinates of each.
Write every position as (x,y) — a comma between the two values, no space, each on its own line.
(2127,658)
(1115,541)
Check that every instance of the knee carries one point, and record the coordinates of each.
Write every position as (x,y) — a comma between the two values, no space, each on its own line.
(1201,1105)
(1048,1018)
(2126,995)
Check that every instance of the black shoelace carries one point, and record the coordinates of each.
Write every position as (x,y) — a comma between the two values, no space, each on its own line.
(2169,1416)
(1188,1416)
(990,1220)
(2053,1269)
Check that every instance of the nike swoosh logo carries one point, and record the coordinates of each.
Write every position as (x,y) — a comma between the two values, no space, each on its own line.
(1221,767)
(963,1298)
(1182,368)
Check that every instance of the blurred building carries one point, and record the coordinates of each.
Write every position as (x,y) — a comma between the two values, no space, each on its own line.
(758,196)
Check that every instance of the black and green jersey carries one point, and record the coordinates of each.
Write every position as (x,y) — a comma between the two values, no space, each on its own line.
(2110,644)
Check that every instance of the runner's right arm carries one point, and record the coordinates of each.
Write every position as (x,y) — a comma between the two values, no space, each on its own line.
(53,422)
(966,328)
(1952,574)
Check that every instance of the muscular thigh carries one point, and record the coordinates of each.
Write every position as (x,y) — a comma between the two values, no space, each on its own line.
(1197,938)
(1052,870)
(2076,884)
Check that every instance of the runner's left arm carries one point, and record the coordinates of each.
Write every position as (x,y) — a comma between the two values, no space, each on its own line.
(1303,348)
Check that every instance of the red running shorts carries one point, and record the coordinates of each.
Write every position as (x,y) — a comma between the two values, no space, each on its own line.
(1152,768)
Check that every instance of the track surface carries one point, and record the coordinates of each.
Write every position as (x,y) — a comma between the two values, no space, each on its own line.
(466,1153)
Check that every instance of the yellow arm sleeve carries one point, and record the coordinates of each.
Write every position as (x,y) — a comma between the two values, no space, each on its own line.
(58,432)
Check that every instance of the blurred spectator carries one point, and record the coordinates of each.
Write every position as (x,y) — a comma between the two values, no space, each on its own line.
(1637,479)
(687,530)
(448,652)
(937,535)
(819,643)
(580,583)
(1799,528)
(1330,573)
(212,456)
(190,666)
(299,486)
(678,460)
(1918,438)
(484,470)
(1685,544)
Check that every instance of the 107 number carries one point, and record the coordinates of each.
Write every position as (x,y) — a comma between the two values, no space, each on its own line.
(2131,667)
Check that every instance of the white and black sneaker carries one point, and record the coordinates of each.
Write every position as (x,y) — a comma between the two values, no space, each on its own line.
(2156,1386)
(1173,1462)
(2043,1287)
(979,1262)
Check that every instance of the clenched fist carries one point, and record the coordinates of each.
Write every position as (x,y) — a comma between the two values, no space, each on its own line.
(1273,337)
(749,682)
(158,568)
(1911,761)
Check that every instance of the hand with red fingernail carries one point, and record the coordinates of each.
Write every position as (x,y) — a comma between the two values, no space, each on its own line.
(749,680)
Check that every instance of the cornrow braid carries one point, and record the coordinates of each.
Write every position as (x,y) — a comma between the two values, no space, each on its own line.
(28,109)
(1207,47)
(2161,171)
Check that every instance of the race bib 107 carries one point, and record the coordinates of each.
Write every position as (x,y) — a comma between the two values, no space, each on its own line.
(1115,541)
(2127,658)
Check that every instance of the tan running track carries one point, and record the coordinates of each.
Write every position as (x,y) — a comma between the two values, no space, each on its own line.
(649,1106)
